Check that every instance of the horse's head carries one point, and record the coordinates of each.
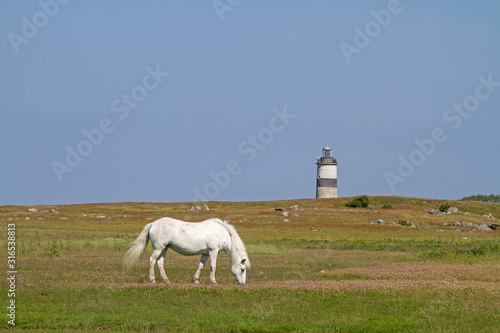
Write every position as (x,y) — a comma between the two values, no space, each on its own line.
(239,271)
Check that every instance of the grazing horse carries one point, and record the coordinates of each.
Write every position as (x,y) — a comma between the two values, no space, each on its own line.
(207,238)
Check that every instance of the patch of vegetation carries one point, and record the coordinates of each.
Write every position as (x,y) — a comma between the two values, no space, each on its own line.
(359,202)
(404,223)
(386,206)
(444,208)
(458,246)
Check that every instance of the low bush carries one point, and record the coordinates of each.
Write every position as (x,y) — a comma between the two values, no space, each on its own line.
(444,208)
(359,202)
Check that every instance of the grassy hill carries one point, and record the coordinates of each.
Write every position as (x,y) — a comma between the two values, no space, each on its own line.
(324,267)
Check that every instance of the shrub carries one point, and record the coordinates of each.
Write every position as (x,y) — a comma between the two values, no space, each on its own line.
(359,202)
(386,206)
(444,208)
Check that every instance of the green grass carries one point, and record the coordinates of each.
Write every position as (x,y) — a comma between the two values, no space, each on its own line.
(266,310)
(325,270)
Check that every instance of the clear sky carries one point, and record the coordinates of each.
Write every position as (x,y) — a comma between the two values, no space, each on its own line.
(233,100)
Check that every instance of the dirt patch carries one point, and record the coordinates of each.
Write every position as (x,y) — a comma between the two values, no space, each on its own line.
(425,271)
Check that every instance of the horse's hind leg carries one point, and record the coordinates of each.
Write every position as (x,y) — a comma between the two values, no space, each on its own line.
(213,263)
(152,261)
(160,265)
(196,275)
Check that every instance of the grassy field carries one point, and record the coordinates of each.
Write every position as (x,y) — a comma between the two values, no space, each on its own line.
(322,268)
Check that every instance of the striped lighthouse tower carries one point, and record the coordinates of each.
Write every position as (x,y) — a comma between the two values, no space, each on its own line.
(326,185)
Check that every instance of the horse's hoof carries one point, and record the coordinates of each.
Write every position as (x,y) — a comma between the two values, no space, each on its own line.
(152,281)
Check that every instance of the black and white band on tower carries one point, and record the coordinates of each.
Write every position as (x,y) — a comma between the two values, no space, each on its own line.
(326,185)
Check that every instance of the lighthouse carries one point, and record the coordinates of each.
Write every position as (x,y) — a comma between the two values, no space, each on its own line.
(326,185)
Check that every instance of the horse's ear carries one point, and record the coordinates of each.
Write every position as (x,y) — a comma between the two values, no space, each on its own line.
(243,261)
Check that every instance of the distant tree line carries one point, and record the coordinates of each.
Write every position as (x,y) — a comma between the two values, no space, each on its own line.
(483,197)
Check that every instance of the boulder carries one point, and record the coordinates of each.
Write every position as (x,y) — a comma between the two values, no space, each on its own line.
(32,210)
(295,207)
(284,214)
(484,227)
(434,212)
(195,208)
(205,207)
(467,225)
(452,210)
(379,221)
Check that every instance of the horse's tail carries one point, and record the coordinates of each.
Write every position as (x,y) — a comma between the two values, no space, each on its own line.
(136,248)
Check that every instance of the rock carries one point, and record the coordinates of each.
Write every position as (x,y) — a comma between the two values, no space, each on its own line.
(53,211)
(434,212)
(32,210)
(466,224)
(484,227)
(285,220)
(495,226)
(205,207)
(284,214)
(295,207)
(452,210)
(489,217)
(379,221)
(279,209)
(195,208)
(100,217)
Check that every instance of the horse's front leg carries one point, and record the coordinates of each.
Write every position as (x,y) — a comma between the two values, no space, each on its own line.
(213,263)
(196,275)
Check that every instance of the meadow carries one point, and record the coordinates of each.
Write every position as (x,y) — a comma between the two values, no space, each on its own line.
(323,268)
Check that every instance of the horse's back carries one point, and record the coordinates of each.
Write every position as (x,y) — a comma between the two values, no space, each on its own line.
(188,237)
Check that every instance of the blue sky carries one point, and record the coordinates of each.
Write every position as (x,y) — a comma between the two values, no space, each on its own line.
(233,100)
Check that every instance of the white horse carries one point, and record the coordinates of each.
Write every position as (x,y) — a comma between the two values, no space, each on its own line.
(207,238)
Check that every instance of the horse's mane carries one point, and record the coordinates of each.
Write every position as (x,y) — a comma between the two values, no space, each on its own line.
(238,250)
